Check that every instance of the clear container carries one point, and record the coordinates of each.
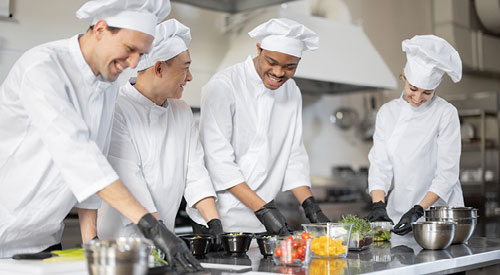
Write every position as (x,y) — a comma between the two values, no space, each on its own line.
(381,231)
(292,251)
(330,240)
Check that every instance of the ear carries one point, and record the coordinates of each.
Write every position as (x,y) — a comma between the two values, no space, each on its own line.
(99,29)
(259,49)
(158,69)
(403,74)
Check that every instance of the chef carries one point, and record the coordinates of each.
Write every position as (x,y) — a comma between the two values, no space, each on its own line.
(251,130)
(56,109)
(417,139)
(155,147)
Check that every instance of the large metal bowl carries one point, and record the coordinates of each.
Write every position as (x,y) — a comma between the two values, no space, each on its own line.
(124,256)
(453,212)
(434,235)
(464,229)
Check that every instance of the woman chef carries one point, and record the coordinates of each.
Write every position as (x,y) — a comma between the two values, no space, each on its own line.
(417,139)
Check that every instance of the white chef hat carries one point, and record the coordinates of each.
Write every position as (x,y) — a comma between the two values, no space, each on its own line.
(171,39)
(428,58)
(137,15)
(286,36)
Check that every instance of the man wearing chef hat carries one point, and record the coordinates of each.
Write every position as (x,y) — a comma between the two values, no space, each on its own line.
(251,130)
(56,111)
(155,147)
(417,139)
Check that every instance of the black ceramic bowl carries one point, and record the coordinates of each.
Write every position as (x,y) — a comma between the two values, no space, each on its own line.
(198,243)
(266,244)
(236,244)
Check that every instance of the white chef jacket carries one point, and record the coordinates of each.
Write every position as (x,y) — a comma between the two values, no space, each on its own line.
(55,121)
(420,147)
(157,153)
(251,134)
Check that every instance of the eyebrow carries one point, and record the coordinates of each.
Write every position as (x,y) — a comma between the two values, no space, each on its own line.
(271,59)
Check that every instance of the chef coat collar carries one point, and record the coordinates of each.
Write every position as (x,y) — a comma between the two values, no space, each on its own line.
(133,93)
(421,108)
(83,67)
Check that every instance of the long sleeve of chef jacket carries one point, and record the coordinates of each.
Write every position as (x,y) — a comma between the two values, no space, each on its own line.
(198,183)
(448,154)
(124,158)
(380,172)
(216,126)
(82,165)
(297,172)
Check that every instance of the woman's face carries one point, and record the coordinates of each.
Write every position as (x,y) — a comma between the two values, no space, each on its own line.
(416,96)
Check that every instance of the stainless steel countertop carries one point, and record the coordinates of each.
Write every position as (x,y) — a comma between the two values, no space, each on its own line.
(400,256)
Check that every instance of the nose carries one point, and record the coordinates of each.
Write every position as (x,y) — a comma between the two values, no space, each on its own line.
(189,76)
(418,97)
(278,71)
(133,60)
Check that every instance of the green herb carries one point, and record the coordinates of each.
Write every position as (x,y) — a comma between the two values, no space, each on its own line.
(158,258)
(361,226)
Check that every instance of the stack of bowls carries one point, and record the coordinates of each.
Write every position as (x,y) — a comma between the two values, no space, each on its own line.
(465,217)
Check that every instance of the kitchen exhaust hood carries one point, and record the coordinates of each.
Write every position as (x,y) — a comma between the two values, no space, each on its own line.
(346,60)
(232,6)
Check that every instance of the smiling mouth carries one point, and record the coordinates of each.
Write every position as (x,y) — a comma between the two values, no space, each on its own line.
(119,68)
(274,81)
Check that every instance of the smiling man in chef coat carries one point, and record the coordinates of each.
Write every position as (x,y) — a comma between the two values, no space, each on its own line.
(56,110)
(155,147)
(251,130)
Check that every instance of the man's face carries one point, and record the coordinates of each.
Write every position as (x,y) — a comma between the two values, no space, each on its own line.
(177,75)
(274,68)
(118,51)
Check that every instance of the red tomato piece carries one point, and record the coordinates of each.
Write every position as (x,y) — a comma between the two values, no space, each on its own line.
(294,254)
(289,239)
(305,235)
(300,251)
(278,252)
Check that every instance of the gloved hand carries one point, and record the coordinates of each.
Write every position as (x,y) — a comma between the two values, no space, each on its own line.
(404,225)
(313,212)
(174,248)
(272,219)
(215,229)
(379,213)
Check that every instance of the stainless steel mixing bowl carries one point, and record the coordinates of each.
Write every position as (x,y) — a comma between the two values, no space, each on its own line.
(434,235)
(465,228)
(453,212)
(124,256)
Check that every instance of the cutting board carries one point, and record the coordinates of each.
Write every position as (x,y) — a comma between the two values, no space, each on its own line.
(37,267)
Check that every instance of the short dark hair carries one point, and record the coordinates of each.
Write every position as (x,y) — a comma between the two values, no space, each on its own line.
(113,30)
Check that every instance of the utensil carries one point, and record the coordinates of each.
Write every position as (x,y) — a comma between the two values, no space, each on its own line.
(381,231)
(344,118)
(434,234)
(198,243)
(293,251)
(236,244)
(464,229)
(124,256)
(451,212)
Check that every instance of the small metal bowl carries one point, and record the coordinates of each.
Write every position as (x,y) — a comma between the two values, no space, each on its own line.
(237,243)
(433,234)
(266,244)
(198,243)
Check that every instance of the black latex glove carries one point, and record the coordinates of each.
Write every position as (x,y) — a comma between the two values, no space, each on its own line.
(313,212)
(404,225)
(215,229)
(379,213)
(272,219)
(174,248)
